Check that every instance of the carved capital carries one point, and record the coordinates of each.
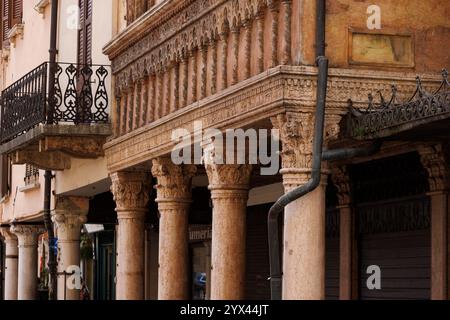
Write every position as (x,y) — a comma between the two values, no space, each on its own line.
(27,234)
(174,181)
(341,180)
(131,190)
(69,216)
(436,160)
(296,134)
(332,128)
(6,233)
(229,176)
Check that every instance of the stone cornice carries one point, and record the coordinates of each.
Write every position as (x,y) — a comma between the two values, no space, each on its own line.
(273,92)
(141,26)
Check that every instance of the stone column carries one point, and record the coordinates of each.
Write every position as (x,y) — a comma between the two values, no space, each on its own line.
(229,185)
(27,236)
(436,160)
(346,233)
(208,270)
(174,198)
(11,260)
(131,190)
(304,219)
(69,216)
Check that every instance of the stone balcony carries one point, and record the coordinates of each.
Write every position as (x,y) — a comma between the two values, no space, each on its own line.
(46,132)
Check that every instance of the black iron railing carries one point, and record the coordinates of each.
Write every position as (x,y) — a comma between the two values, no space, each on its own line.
(381,117)
(81,96)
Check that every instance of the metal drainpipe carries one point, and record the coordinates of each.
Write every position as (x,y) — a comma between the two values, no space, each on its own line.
(52,265)
(318,157)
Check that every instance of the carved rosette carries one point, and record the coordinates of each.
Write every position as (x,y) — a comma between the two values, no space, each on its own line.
(69,216)
(27,234)
(174,181)
(341,179)
(436,160)
(131,190)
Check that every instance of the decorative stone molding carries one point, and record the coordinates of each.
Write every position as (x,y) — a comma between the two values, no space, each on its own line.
(341,179)
(436,160)
(69,216)
(131,191)
(178,27)
(56,160)
(174,181)
(279,90)
(79,147)
(27,234)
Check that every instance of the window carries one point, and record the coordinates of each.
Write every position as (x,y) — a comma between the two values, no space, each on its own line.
(12,11)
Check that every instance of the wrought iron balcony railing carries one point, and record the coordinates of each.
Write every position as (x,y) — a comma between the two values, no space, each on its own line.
(389,115)
(81,96)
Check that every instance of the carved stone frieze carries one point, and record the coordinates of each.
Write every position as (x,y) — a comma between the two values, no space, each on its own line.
(281,90)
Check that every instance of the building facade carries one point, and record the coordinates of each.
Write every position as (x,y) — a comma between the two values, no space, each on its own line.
(199,229)
(73,148)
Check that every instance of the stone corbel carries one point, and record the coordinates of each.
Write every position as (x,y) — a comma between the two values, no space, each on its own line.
(40,7)
(77,147)
(15,32)
(56,161)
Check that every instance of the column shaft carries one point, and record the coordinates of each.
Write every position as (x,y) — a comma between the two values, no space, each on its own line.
(174,197)
(173,281)
(11,264)
(304,248)
(229,185)
(131,192)
(228,245)
(27,236)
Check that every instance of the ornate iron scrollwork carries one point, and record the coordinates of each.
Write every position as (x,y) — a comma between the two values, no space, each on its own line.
(24,104)
(389,113)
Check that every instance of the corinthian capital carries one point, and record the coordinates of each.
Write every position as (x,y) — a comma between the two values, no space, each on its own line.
(69,216)
(296,134)
(174,181)
(131,190)
(27,234)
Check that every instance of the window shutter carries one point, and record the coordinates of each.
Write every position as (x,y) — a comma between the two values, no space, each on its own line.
(5,20)
(16,14)
(85,32)
(4,176)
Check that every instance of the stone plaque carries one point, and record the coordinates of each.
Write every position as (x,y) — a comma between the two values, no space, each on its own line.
(381,49)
